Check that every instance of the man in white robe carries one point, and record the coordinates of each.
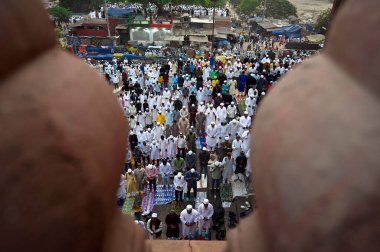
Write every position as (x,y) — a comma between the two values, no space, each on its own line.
(234,128)
(221,114)
(189,219)
(245,122)
(237,145)
(212,136)
(231,112)
(205,211)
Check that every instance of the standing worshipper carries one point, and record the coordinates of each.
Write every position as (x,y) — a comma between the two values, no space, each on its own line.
(154,227)
(216,174)
(191,160)
(193,114)
(179,183)
(151,174)
(154,152)
(130,182)
(221,114)
(228,163)
(181,145)
(145,151)
(231,112)
(140,179)
(171,147)
(241,83)
(204,157)
(172,221)
(183,125)
(190,140)
(165,172)
(191,178)
(121,192)
(245,123)
(189,218)
(205,211)
(241,164)
(212,136)
(178,164)
(234,129)
(200,123)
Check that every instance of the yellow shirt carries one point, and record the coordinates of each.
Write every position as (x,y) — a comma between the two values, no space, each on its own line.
(160,119)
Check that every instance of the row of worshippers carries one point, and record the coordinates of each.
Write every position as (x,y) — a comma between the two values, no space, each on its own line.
(195,223)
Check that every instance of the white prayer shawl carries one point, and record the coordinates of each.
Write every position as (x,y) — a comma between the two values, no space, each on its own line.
(155,151)
(205,213)
(189,218)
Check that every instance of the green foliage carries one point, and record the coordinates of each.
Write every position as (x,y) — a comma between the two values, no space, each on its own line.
(323,21)
(60,14)
(279,8)
(248,6)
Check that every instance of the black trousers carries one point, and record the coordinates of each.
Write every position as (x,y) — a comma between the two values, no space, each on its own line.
(195,191)
(181,152)
(180,194)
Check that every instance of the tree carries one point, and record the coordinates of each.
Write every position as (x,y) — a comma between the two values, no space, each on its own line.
(323,20)
(60,14)
(248,6)
(279,8)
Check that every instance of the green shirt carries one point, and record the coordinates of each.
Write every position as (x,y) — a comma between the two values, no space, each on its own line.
(178,164)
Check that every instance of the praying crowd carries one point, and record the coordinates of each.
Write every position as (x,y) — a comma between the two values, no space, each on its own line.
(190,120)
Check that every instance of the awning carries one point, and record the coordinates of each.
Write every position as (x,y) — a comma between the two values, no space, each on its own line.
(222,36)
(174,38)
(200,39)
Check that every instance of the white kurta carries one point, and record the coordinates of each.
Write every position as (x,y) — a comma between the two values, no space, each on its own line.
(236,148)
(221,114)
(155,152)
(205,215)
(189,218)
(164,148)
(212,136)
(245,122)
(172,148)
(234,129)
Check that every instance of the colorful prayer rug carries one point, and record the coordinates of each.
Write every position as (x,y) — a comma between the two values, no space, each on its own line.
(137,203)
(164,196)
(202,183)
(147,204)
(128,205)
(226,193)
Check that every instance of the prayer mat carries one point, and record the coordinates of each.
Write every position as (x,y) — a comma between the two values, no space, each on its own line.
(226,193)
(138,202)
(202,183)
(164,196)
(177,207)
(147,203)
(128,205)
(200,197)
(238,187)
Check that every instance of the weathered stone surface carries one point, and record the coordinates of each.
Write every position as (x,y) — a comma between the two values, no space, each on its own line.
(315,156)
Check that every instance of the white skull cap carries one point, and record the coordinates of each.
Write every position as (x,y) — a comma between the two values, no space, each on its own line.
(189,207)
(192,170)
(206,201)
(154,215)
